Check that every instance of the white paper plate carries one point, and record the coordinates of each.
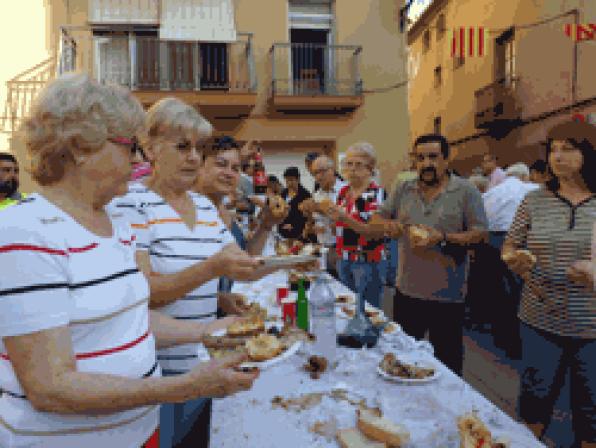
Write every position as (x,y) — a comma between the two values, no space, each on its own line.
(287,260)
(397,379)
(270,362)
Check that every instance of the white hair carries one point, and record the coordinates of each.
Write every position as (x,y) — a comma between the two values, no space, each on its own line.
(73,113)
(327,161)
(519,170)
(366,150)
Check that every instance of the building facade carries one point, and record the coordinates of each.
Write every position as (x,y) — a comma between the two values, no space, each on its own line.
(530,76)
(297,76)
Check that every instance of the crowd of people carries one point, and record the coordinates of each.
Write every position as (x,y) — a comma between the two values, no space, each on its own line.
(122,262)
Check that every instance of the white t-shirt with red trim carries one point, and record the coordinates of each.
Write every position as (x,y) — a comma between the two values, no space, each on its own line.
(174,247)
(56,273)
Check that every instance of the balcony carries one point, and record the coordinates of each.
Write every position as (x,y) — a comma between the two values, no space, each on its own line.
(497,105)
(315,78)
(217,77)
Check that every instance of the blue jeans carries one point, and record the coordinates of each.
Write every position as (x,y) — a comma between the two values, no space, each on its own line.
(375,278)
(546,358)
(391,262)
(185,424)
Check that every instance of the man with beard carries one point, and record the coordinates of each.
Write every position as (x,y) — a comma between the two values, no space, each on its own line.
(9,181)
(437,218)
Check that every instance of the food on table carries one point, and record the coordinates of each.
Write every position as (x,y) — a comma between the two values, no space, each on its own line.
(311,249)
(277,206)
(348,311)
(327,428)
(316,365)
(393,366)
(344,298)
(352,438)
(300,403)
(290,334)
(473,433)
(418,233)
(378,428)
(217,353)
(390,327)
(247,327)
(377,320)
(288,247)
(263,347)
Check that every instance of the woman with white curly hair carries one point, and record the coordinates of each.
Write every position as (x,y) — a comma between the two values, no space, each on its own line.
(77,350)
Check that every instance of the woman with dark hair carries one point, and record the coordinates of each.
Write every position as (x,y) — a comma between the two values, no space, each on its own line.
(549,245)
(294,194)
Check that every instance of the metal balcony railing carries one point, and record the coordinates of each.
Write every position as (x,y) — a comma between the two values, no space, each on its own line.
(316,69)
(497,103)
(22,90)
(145,62)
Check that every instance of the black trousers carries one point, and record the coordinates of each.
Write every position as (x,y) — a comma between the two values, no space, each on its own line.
(199,435)
(442,320)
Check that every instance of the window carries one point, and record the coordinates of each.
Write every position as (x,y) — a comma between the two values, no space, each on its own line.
(426,40)
(438,77)
(505,58)
(441,27)
(437,125)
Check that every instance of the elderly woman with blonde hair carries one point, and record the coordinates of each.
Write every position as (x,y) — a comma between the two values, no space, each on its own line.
(184,247)
(357,247)
(78,341)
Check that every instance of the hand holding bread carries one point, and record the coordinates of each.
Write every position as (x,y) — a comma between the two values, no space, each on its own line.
(520,261)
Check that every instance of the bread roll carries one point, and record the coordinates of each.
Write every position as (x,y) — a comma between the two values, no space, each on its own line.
(263,347)
(382,430)
(418,233)
(352,438)
(473,432)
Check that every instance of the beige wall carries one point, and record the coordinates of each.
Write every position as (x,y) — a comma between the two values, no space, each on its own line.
(381,120)
(544,58)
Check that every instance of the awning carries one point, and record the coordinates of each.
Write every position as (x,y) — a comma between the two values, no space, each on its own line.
(124,11)
(198,20)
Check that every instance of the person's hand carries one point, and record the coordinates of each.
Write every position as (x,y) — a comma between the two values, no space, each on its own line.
(235,263)
(231,303)
(394,229)
(219,378)
(287,227)
(269,219)
(220,324)
(519,261)
(422,236)
(308,206)
(334,212)
(582,272)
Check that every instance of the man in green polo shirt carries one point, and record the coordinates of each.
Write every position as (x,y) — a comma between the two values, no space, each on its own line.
(9,181)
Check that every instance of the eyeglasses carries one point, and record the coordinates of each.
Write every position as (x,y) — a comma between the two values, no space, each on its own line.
(130,143)
(348,164)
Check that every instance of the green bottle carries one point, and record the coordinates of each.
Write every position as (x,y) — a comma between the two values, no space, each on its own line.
(302,307)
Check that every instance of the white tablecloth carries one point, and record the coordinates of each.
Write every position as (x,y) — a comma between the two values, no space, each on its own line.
(429,411)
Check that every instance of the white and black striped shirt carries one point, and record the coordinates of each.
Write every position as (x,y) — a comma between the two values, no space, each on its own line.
(174,247)
(558,234)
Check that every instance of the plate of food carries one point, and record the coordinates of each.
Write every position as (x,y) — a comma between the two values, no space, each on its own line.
(266,343)
(419,372)
(283,261)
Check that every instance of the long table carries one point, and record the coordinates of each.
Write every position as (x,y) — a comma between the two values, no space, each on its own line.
(429,411)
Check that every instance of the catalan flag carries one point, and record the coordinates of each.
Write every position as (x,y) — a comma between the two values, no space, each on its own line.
(579,32)
(468,41)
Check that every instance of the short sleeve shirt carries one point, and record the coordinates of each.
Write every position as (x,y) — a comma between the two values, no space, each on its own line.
(56,273)
(173,247)
(435,273)
(558,234)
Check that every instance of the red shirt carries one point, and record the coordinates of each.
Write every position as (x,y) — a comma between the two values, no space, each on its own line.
(361,209)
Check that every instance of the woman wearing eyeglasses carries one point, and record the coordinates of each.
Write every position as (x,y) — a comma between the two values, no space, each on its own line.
(77,355)
(356,203)
(183,247)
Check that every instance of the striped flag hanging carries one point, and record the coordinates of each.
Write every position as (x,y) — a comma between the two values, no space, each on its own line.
(579,32)
(468,41)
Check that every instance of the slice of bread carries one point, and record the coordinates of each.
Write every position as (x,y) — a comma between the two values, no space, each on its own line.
(382,430)
(352,438)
